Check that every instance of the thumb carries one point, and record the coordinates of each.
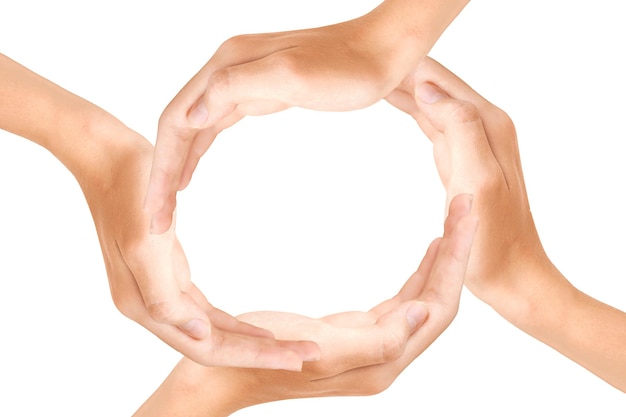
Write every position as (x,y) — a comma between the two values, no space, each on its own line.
(409,315)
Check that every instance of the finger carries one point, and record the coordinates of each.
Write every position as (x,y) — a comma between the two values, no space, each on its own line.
(222,348)
(258,87)
(186,115)
(404,101)
(201,144)
(395,340)
(158,266)
(170,154)
(452,253)
(379,342)
(235,51)
(443,289)
(414,285)
(296,75)
(499,128)
(460,206)
(226,322)
(462,151)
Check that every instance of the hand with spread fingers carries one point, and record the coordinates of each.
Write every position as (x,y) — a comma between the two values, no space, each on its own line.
(339,67)
(476,151)
(362,353)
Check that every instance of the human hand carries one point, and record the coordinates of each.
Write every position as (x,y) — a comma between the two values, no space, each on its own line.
(344,66)
(362,352)
(476,151)
(149,275)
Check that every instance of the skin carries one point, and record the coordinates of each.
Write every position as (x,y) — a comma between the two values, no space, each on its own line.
(345,339)
(344,66)
(112,164)
(339,67)
(475,148)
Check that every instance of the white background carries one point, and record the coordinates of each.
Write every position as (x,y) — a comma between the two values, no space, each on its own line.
(311,212)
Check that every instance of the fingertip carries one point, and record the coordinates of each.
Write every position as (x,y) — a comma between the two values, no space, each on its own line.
(429,93)
(314,352)
(462,204)
(196,328)
(416,315)
(160,223)
(302,351)
(198,114)
(291,361)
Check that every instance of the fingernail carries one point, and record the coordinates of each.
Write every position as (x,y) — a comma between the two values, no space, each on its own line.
(416,315)
(196,328)
(430,94)
(198,114)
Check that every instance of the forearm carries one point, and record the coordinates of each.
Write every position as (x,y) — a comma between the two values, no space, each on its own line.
(413,26)
(192,390)
(68,126)
(585,330)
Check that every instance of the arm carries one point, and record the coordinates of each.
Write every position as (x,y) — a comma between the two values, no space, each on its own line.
(338,67)
(148,275)
(476,151)
(362,353)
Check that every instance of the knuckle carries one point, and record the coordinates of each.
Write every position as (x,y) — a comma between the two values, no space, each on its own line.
(491,185)
(289,67)
(374,386)
(173,121)
(235,43)
(161,311)
(134,248)
(464,112)
(125,304)
(219,83)
(502,120)
(392,347)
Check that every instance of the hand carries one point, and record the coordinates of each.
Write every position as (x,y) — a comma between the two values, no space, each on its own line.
(475,148)
(150,278)
(345,66)
(148,274)
(476,151)
(362,353)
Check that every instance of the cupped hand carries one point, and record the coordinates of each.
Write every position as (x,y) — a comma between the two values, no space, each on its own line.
(149,275)
(345,66)
(476,151)
(362,353)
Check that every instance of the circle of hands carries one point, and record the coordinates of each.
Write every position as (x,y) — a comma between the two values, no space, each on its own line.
(350,353)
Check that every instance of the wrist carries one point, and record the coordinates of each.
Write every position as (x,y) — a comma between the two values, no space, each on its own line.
(413,26)
(399,33)
(536,299)
(94,145)
(193,390)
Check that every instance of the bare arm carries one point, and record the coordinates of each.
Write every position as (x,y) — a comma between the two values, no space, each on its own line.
(148,275)
(476,151)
